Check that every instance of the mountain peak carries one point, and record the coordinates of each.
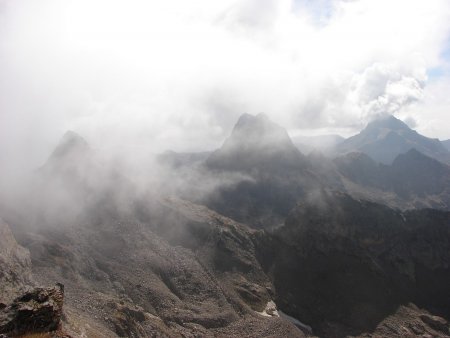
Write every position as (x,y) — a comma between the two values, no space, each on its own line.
(256,131)
(246,118)
(254,142)
(256,124)
(388,122)
(387,137)
(70,142)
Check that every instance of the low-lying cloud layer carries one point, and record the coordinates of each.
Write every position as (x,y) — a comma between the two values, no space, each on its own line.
(140,76)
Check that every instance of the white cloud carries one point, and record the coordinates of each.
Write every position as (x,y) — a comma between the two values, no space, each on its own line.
(177,74)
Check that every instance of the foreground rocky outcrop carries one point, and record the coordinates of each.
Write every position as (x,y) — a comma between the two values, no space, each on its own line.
(36,311)
(24,308)
(410,321)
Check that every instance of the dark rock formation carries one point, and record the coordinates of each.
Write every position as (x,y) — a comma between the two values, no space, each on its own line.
(410,321)
(341,260)
(36,311)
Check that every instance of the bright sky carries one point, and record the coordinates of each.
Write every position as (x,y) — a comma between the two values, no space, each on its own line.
(176,74)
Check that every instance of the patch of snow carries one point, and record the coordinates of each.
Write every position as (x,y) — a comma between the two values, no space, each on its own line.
(270,310)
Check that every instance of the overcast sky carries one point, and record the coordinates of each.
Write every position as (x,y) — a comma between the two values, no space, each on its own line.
(176,74)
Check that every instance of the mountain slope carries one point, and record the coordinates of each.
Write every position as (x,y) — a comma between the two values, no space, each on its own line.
(386,138)
(446,144)
(168,268)
(343,265)
(163,266)
(276,173)
(414,179)
(157,267)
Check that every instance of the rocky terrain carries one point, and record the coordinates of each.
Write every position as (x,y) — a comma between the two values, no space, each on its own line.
(177,270)
(348,264)
(252,240)
(37,311)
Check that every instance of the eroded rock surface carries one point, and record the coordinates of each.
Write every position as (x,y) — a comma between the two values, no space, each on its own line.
(36,311)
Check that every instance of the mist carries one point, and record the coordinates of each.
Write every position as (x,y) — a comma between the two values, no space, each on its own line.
(138,77)
(230,168)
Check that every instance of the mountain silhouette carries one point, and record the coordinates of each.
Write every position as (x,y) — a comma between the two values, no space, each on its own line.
(387,137)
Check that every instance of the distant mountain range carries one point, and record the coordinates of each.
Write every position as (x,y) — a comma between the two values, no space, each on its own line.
(279,175)
(386,138)
(252,240)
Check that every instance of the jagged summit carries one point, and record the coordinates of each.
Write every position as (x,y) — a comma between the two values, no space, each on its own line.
(72,154)
(387,122)
(385,138)
(257,131)
(256,143)
(250,120)
(69,143)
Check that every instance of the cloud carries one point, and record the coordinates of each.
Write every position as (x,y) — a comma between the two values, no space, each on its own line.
(431,113)
(381,89)
(176,75)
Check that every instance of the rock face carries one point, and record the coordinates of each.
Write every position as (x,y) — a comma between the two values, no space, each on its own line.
(36,311)
(386,138)
(410,321)
(15,266)
(341,260)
